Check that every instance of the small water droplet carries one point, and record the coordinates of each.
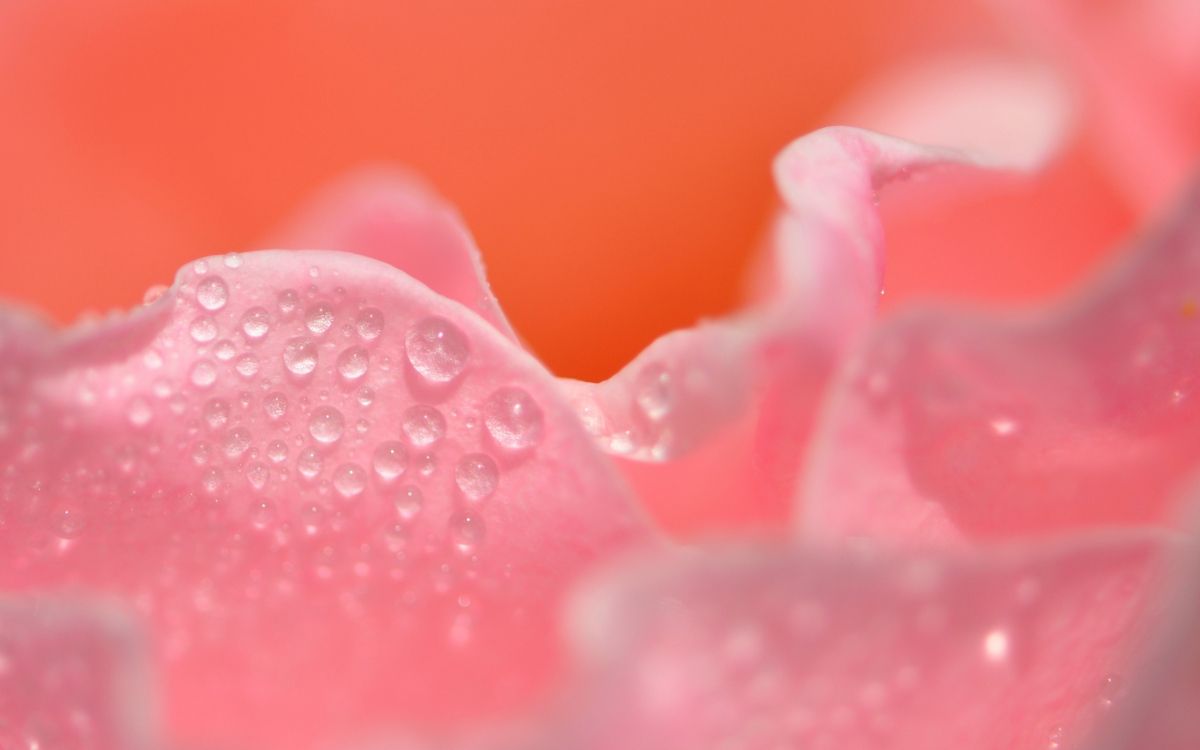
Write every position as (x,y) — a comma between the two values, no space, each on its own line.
(476,476)
(1003,426)
(69,521)
(352,363)
(365,396)
(204,374)
(139,411)
(277,451)
(257,474)
(437,349)
(300,356)
(246,365)
(256,323)
(212,293)
(467,533)
(237,442)
(326,424)
(423,425)
(288,301)
(349,480)
(318,318)
(390,460)
(275,405)
(203,329)
(216,413)
(1111,688)
(654,393)
(233,260)
(152,359)
(426,464)
(408,502)
(513,419)
(308,463)
(369,323)
(212,480)
(224,350)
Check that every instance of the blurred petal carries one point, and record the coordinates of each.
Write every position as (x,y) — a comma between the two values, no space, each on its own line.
(393,217)
(337,497)
(710,424)
(952,426)
(73,676)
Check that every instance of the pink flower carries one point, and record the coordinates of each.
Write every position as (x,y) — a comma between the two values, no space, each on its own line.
(308,498)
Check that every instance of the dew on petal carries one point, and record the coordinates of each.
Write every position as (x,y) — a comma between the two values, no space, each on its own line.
(204,374)
(326,424)
(277,451)
(212,293)
(237,442)
(300,356)
(246,365)
(467,533)
(233,260)
(288,301)
(654,393)
(352,363)
(203,329)
(139,411)
(423,425)
(69,521)
(275,405)
(216,413)
(365,396)
(308,463)
(513,419)
(476,476)
(390,460)
(212,481)
(408,502)
(256,323)
(349,480)
(257,475)
(436,349)
(224,350)
(369,323)
(318,318)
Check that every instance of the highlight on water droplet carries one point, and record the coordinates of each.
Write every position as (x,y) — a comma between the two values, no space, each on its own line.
(212,293)
(476,476)
(423,425)
(437,350)
(513,419)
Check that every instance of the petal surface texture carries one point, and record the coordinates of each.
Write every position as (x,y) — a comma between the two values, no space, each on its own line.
(710,424)
(952,426)
(74,676)
(337,498)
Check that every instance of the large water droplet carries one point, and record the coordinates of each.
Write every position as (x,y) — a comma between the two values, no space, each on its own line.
(390,460)
(408,502)
(467,533)
(300,356)
(256,323)
(203,329)
(423,425)
(326,424)
(349,480)
(369,323)
(513,418)
(318,318)
(352,363)
(204,374)
(476,476)
(212,293)
(437,349)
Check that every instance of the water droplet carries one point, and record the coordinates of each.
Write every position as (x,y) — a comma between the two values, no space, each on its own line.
(154,294)
(349,480)
(352,363)
(237,442)
(152,359)
(467,533)
(408,502)
(233,260)
(423,425)
(654,393)
(204,374)
(247,365)
(369,323)
(69,521)
(365,396)
(288,301)
(203,329)
(390,460)
(513,419)
(212,293)
(318,318)
(476,476)
(326,424)
(212,480)
(436,349)
(256,323)
(426,464)
(275,405)
(308,463)
(300,356)
(200,267)
(277,451)
(139,411)
(1111,688)
(216,413)
(257,474)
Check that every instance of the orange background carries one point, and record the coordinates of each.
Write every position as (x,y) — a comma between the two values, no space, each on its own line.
(612,158)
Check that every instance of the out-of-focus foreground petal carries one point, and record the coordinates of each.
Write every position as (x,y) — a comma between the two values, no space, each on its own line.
(336,497)
(73,675)
(951,426)
(710,424)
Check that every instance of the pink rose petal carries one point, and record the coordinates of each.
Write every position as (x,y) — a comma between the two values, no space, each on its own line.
(72,677)
(953,426)
(710,424)
(394,217)
(337,498)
